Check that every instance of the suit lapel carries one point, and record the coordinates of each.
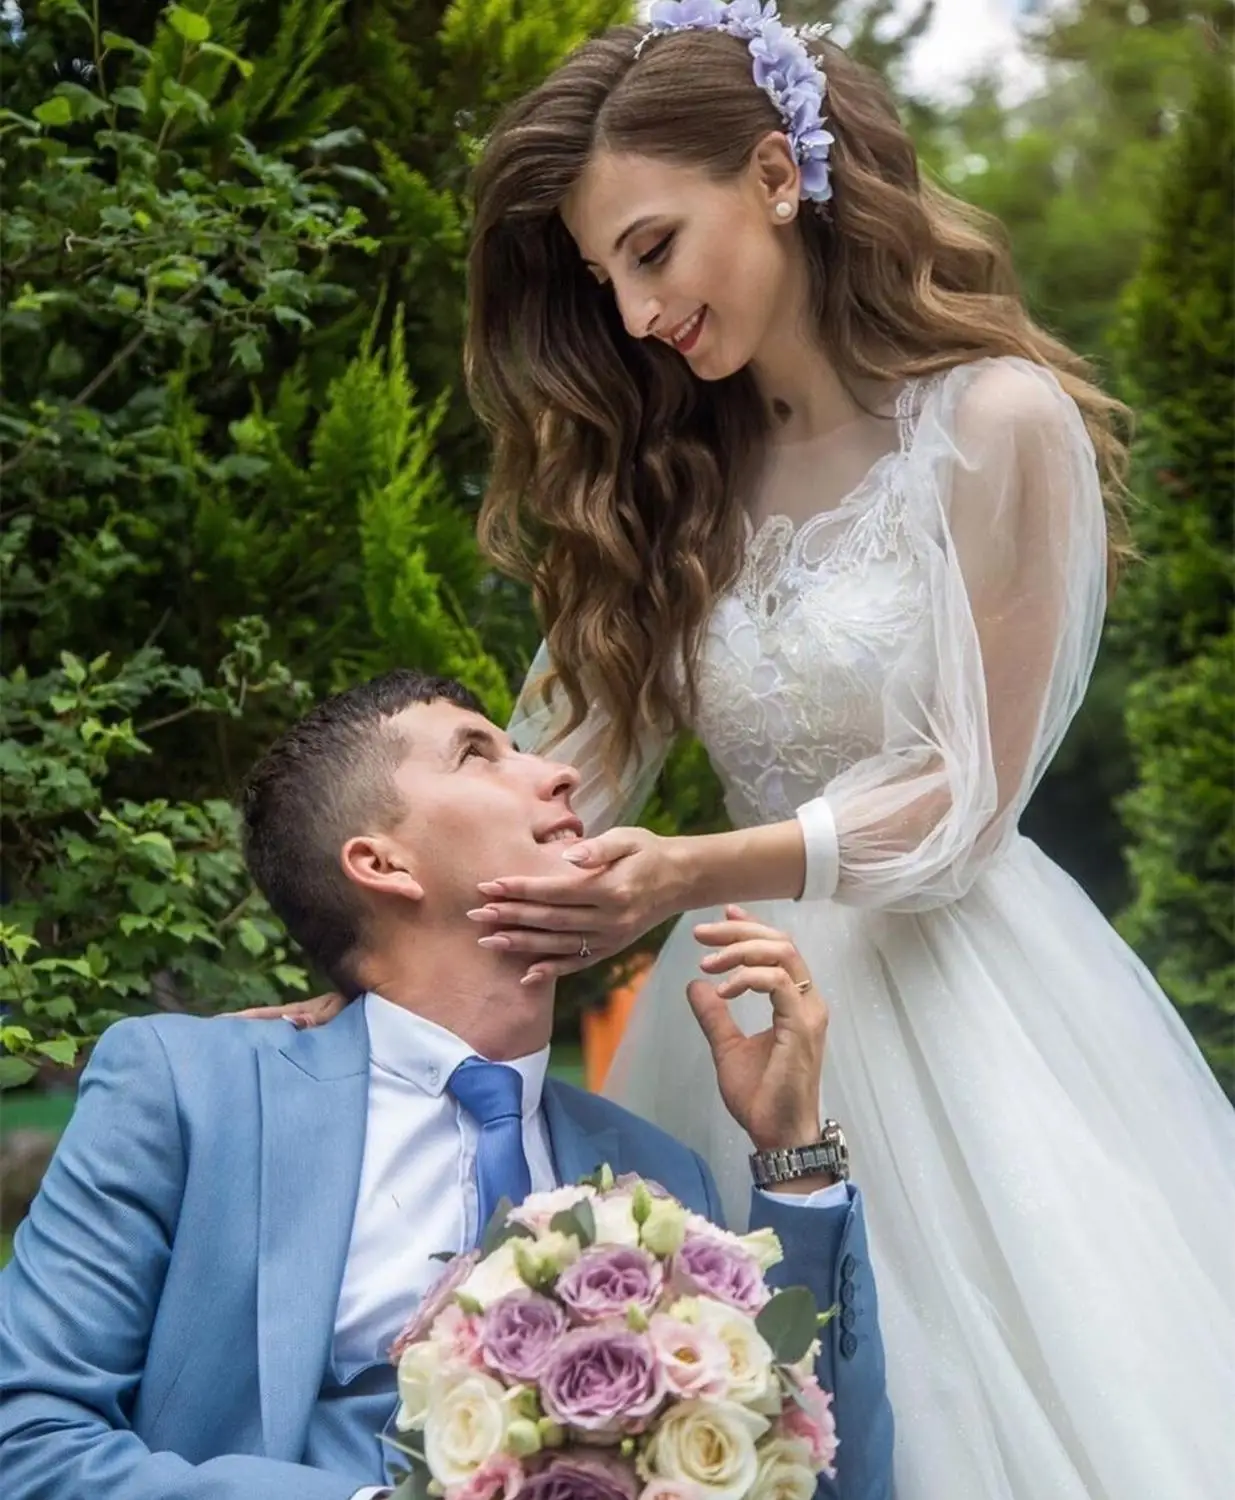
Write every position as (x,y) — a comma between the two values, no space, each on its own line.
(579,1145)
(314,1097)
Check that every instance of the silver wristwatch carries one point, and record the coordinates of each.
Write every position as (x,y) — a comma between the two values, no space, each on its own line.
(830,1153)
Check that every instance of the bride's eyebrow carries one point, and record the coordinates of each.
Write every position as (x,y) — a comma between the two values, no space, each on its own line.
(632,228)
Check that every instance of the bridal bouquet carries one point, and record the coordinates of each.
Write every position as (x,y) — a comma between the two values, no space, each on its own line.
(607,1344)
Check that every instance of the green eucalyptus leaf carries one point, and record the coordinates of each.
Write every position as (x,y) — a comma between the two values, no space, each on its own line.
(787,1323)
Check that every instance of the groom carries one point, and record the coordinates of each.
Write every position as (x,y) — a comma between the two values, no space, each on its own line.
(240,1217)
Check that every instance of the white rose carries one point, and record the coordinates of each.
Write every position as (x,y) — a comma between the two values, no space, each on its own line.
(763,1246)
(419,1366)
(784,1472)
(615,1220)
(708,1443)
(751,1377)
(494,1277)
(465,1427)
(537,1209)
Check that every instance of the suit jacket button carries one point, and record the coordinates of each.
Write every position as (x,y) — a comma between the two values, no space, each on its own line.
(848,1293)
(848,1266)
(848,1345)
(848,1318)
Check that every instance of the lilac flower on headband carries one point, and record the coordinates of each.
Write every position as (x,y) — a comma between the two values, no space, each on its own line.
(783,69)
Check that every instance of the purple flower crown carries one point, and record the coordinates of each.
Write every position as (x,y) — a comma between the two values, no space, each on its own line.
(783,69)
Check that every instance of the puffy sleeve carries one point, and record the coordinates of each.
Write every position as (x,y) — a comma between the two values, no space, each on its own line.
(1006,517)
(604,799)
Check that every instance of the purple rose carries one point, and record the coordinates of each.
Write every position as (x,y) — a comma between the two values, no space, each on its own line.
(605,1379)
(434,1301)
(710,1267)
(605,1280)
(580,1476)
(519,1332)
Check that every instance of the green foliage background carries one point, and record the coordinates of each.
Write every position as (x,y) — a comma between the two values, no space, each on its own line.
(237,469)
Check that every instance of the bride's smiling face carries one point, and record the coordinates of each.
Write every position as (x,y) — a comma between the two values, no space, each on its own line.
(704,265)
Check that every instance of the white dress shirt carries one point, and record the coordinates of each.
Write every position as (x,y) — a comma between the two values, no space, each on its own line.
(418,1190)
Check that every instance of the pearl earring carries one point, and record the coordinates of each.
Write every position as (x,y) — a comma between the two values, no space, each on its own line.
(783,210)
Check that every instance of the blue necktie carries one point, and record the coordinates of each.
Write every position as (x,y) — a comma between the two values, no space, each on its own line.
(492,1094)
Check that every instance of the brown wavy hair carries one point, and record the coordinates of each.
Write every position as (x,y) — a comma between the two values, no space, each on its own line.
(612,490)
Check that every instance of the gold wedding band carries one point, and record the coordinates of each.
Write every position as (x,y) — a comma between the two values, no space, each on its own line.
(584,950)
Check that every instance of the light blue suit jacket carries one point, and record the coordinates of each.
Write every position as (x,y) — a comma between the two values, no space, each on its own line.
(166,1320)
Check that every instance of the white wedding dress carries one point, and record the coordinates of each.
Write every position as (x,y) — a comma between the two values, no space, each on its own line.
(1048,1166)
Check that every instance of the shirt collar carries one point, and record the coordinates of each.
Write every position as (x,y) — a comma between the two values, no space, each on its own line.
(426,1054)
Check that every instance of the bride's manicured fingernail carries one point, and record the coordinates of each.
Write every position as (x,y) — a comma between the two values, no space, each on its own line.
(576,856)
(481,914)
(491,888)
(496,940)
(533,976)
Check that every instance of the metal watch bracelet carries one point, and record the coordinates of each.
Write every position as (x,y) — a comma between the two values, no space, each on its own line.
(828,1154)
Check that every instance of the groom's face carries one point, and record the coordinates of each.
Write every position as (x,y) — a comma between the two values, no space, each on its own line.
(475,807)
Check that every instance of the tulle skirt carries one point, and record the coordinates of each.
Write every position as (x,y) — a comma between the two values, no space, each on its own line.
(1049,1174)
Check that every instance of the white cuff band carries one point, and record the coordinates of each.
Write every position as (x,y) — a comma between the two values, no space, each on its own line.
(822,850)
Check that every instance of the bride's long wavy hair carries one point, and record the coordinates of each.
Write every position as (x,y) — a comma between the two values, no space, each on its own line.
(612,490)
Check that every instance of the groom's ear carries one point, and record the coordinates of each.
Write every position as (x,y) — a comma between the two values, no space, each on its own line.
(378,864)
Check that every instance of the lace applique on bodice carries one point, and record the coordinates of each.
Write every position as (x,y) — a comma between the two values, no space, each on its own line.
(795,663)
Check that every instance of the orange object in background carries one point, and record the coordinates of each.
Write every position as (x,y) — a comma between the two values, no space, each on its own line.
(602,1030)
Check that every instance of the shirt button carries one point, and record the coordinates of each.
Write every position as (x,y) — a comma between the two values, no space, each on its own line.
(434,1075)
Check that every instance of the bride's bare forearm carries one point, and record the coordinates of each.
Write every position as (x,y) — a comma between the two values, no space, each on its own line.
(765,863)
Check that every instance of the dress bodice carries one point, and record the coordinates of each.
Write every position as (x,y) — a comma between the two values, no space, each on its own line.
(799,652)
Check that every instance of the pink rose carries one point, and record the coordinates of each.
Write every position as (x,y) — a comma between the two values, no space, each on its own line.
(519,1334)
(439,1296)
(716,1268)
(608,1279)
(459,1336)
(669,1489)
(815,1425)
(500,1478)
(694,1361)
(602,1380)
(581,1476)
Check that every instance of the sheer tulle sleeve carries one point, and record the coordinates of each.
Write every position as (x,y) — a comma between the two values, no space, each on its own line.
(603,799)
(1006,512)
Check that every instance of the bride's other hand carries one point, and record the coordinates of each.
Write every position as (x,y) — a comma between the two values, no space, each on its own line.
(769,1081)
(613,888)
(301,1013)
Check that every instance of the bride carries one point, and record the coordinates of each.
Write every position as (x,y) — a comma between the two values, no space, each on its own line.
(786,461)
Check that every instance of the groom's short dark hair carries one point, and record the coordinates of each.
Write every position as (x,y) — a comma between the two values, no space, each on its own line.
(329,777)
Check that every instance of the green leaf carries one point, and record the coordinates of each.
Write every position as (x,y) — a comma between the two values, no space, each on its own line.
(252,939)
(54,111)
(191,26)
(243,67)
(114,42)
(787,1324)
(336,140)
(74,667)
(14,1071)
(246,352)
(496,1224)
(61,1049)
(578,1220)
(129,98)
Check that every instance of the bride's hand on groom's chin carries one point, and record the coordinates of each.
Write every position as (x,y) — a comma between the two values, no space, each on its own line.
(301,1013)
